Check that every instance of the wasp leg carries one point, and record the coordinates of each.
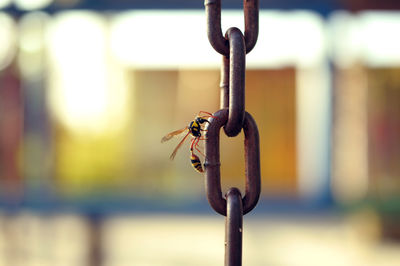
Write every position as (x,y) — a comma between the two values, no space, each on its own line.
(200,152)
(196,145)
(192,144)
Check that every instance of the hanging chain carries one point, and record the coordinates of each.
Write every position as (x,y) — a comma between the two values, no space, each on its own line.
(214,31)
(233,117)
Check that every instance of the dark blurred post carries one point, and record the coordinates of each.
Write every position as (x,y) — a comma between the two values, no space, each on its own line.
(95,239)
(11,124)
(11,121)
(37,157)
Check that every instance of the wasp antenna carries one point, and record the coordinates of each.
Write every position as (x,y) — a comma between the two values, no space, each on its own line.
(208,114)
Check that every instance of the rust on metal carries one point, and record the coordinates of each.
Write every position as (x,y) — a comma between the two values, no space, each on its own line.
(237,70)
(233,228)
(214,31)
(251,9)
(233,117)
(224,84)
(212,163)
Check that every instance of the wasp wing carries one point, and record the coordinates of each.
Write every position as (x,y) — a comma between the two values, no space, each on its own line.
(177,147)
(173,133)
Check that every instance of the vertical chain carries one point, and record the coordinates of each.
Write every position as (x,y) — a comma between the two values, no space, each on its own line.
(233,117)
(237,70)
(233,228)
(224,84)
(214,31)
(212,163)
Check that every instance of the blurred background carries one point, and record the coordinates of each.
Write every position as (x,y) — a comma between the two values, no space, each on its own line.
(88,88)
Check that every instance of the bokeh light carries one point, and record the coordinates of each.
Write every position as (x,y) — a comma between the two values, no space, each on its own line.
(87,95)
(32,4)
(7,38)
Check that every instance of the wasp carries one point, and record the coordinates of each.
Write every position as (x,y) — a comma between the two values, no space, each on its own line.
(194,129)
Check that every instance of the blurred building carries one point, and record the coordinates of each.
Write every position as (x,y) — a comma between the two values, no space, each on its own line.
(89,88)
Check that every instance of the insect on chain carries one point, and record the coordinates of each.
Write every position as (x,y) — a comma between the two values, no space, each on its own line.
(194,129)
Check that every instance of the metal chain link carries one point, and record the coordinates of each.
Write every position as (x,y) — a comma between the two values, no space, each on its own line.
(212,162)
(233,117)
(214,31)
(237,70)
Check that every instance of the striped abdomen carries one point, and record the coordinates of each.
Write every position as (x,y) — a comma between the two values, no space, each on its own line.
(196,163)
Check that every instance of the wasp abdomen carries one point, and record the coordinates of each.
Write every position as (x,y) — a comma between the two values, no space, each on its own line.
(196,163)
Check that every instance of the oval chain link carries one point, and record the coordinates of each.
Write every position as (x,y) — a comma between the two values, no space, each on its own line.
(214,31)
(237,71)
(212,163)
(233,117)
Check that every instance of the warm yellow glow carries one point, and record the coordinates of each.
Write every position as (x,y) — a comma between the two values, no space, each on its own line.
(296,38)
(32,4)
(178,39)
(381,46)
(32,29)
(7,39)
(350,137)
(313,122)
(86,92)
(161,39)
(285,240)
(367,37)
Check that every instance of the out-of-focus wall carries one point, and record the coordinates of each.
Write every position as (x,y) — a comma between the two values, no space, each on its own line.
(86,96)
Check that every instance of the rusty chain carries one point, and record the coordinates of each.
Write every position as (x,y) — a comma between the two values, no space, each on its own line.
(212,164)
(214,31)
(233,117)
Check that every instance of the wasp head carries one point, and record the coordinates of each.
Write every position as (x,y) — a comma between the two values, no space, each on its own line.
(201,120)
